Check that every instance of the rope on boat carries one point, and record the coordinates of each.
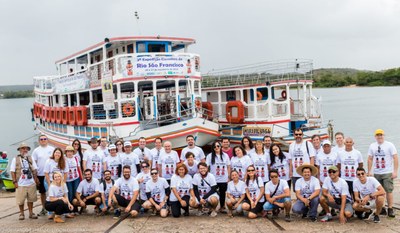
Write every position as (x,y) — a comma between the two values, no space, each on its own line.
(34,135)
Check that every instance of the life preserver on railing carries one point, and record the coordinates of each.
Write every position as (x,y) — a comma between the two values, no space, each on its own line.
(65,115)
(207,109)
(58,115)
(81,116)
(240,112)
(72,115)
(259,95)
(198,104)
(283,94)
(128,109)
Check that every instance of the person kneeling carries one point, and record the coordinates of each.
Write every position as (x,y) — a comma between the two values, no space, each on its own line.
(57,199)
(235,194)
(128,191)
(307,192)
(254,193)
(157,191)
(88,192)
(181,191)
(205,191)
(277,193)
(369,195)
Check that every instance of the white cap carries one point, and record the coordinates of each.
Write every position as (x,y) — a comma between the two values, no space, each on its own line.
(326,142)
(127,143)
(112,146)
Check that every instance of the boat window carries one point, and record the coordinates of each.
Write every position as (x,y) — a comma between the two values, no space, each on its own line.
(84,98)
(56,99)
(141,48)
(127,90)
(156,48)
(230,96)
(123,49)
(97,96)
(261,94)
(73,99)
(196,90)
(129,48)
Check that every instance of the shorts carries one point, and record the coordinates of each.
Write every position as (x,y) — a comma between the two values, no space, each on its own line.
(269,206)
(90,201)
(124,203)
(26,192)
(209,198)
(257,209)
(239,208)
(348,207)
(41,186)
(386,181)
(162,207)
(102,205)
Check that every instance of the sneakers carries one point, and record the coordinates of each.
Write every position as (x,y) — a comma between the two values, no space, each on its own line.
(326,218)
(367,215)
(333,212)
(313,219)
(200,213)
(359,214)
(287,218)
(275,212)
(376,219)
(322,213)
(117,213)
(213,214)
(43,212)
(391,213)
(383,211)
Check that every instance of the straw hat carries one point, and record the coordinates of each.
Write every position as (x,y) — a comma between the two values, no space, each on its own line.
(24,145)
(313,169)
(69,148)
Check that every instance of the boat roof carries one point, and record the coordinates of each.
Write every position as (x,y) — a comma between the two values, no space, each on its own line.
(174,40)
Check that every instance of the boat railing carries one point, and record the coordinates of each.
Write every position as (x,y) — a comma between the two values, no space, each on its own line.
(259,73)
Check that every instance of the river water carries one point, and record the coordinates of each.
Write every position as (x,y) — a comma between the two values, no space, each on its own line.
(357,112)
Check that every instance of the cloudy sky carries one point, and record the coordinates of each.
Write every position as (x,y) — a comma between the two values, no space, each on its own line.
(362,34)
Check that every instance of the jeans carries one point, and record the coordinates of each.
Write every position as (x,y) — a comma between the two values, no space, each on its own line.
(72,186)
(300,208)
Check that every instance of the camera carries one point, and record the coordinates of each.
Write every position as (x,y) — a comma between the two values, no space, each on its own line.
(28,173)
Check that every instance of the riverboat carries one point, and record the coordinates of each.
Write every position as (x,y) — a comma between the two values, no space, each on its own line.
(124,87)
(268,98)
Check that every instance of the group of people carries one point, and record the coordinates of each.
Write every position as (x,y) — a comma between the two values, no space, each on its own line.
(252,178)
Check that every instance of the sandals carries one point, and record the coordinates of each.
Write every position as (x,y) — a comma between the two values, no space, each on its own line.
(33,216)
(21,217)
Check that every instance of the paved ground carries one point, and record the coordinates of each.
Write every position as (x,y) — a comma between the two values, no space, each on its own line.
(145,223)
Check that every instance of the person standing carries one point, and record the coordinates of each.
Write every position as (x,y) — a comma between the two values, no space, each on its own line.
(78,150)
(348,161)
(191,163)
(41,154)
(260,161)
(240,162)
(383,164)
(93,159)
(247,144)
(167,162)
(113,163)
(316,142)
(104,146)
(129,158)
(278,160)
(199,155)
(307,192)
(325,158)
(156,151)
(267,141)
(143,152)
(226,146)
(369,195)
(24,176)
(220,166)
(74,169)
(56,163)
(300,152)
(181,191)
(339,139)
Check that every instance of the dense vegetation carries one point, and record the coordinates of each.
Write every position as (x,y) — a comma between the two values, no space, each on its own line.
(16,94)
(347,77)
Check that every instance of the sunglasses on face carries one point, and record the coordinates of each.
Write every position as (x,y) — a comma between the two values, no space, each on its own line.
(145,166)
(43,139)
(217,146)
(154,173)
(360,174)
(298,134)
(250,170)
(331,171)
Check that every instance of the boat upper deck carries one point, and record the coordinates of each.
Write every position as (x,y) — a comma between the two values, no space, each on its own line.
(260,73)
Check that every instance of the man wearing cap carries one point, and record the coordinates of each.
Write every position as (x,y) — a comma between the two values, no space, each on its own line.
(348,161)
(112,163)
(142,151)
(131,159)
(41,154)
(335,194)
(307,192)
(300,152)
(383,164)
(24,175)
(93,159)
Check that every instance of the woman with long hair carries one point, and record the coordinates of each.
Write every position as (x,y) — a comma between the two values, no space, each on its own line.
(78,150)
(254,193)
(57,199)
(247,144)
(56,163)
(235,194)
(74,171)
(220,166)
(240,162)
(181,191)
(260,161)
(120,146)
(278,160)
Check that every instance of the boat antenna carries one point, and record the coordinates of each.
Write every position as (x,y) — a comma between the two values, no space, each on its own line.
(137,22)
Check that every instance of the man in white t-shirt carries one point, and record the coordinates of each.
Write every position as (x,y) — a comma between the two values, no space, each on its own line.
(167,162)
(335,194)
(113,163)
(324,159)
(88,192)
(104,146)
(267,141)
(369,194)
(93,159)
(156,151)
(316,142)
(383,163)
(307,192)
(41,154)
(157,192)
(300,152)
(129,158)
(105,188)
(23,172)
(199,155)
(348,161)
(339,140)
(277,194)
(142,151)
(125,193)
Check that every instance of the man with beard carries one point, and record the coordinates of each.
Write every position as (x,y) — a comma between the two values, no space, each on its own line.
(226,147)
(143,152)
(105,188)
(88,192)
(128,190)
(93,159)
(199,155)
(267,141)
(205,190)
(157,192)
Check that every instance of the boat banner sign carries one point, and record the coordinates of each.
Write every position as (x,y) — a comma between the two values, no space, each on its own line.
(107,91)
(71,83)
(160,65)
(256,131)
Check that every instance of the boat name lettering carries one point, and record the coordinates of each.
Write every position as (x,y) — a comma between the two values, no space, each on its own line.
(259,131)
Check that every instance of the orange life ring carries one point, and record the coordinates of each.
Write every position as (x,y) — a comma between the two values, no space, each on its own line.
(208,107)
(259,95)
(283,94)
(198,104)
(240,112)
(127,109)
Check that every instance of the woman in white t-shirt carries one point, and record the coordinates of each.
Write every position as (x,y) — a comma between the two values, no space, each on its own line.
(191,163)
(278,160)
(56,163)
(254,193)
(74,172)
(247,144)
(78,150)
(57,199)
(240,161)
(181,191)
(260,161)
(235,194)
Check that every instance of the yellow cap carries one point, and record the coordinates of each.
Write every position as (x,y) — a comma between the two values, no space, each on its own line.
(379,131)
